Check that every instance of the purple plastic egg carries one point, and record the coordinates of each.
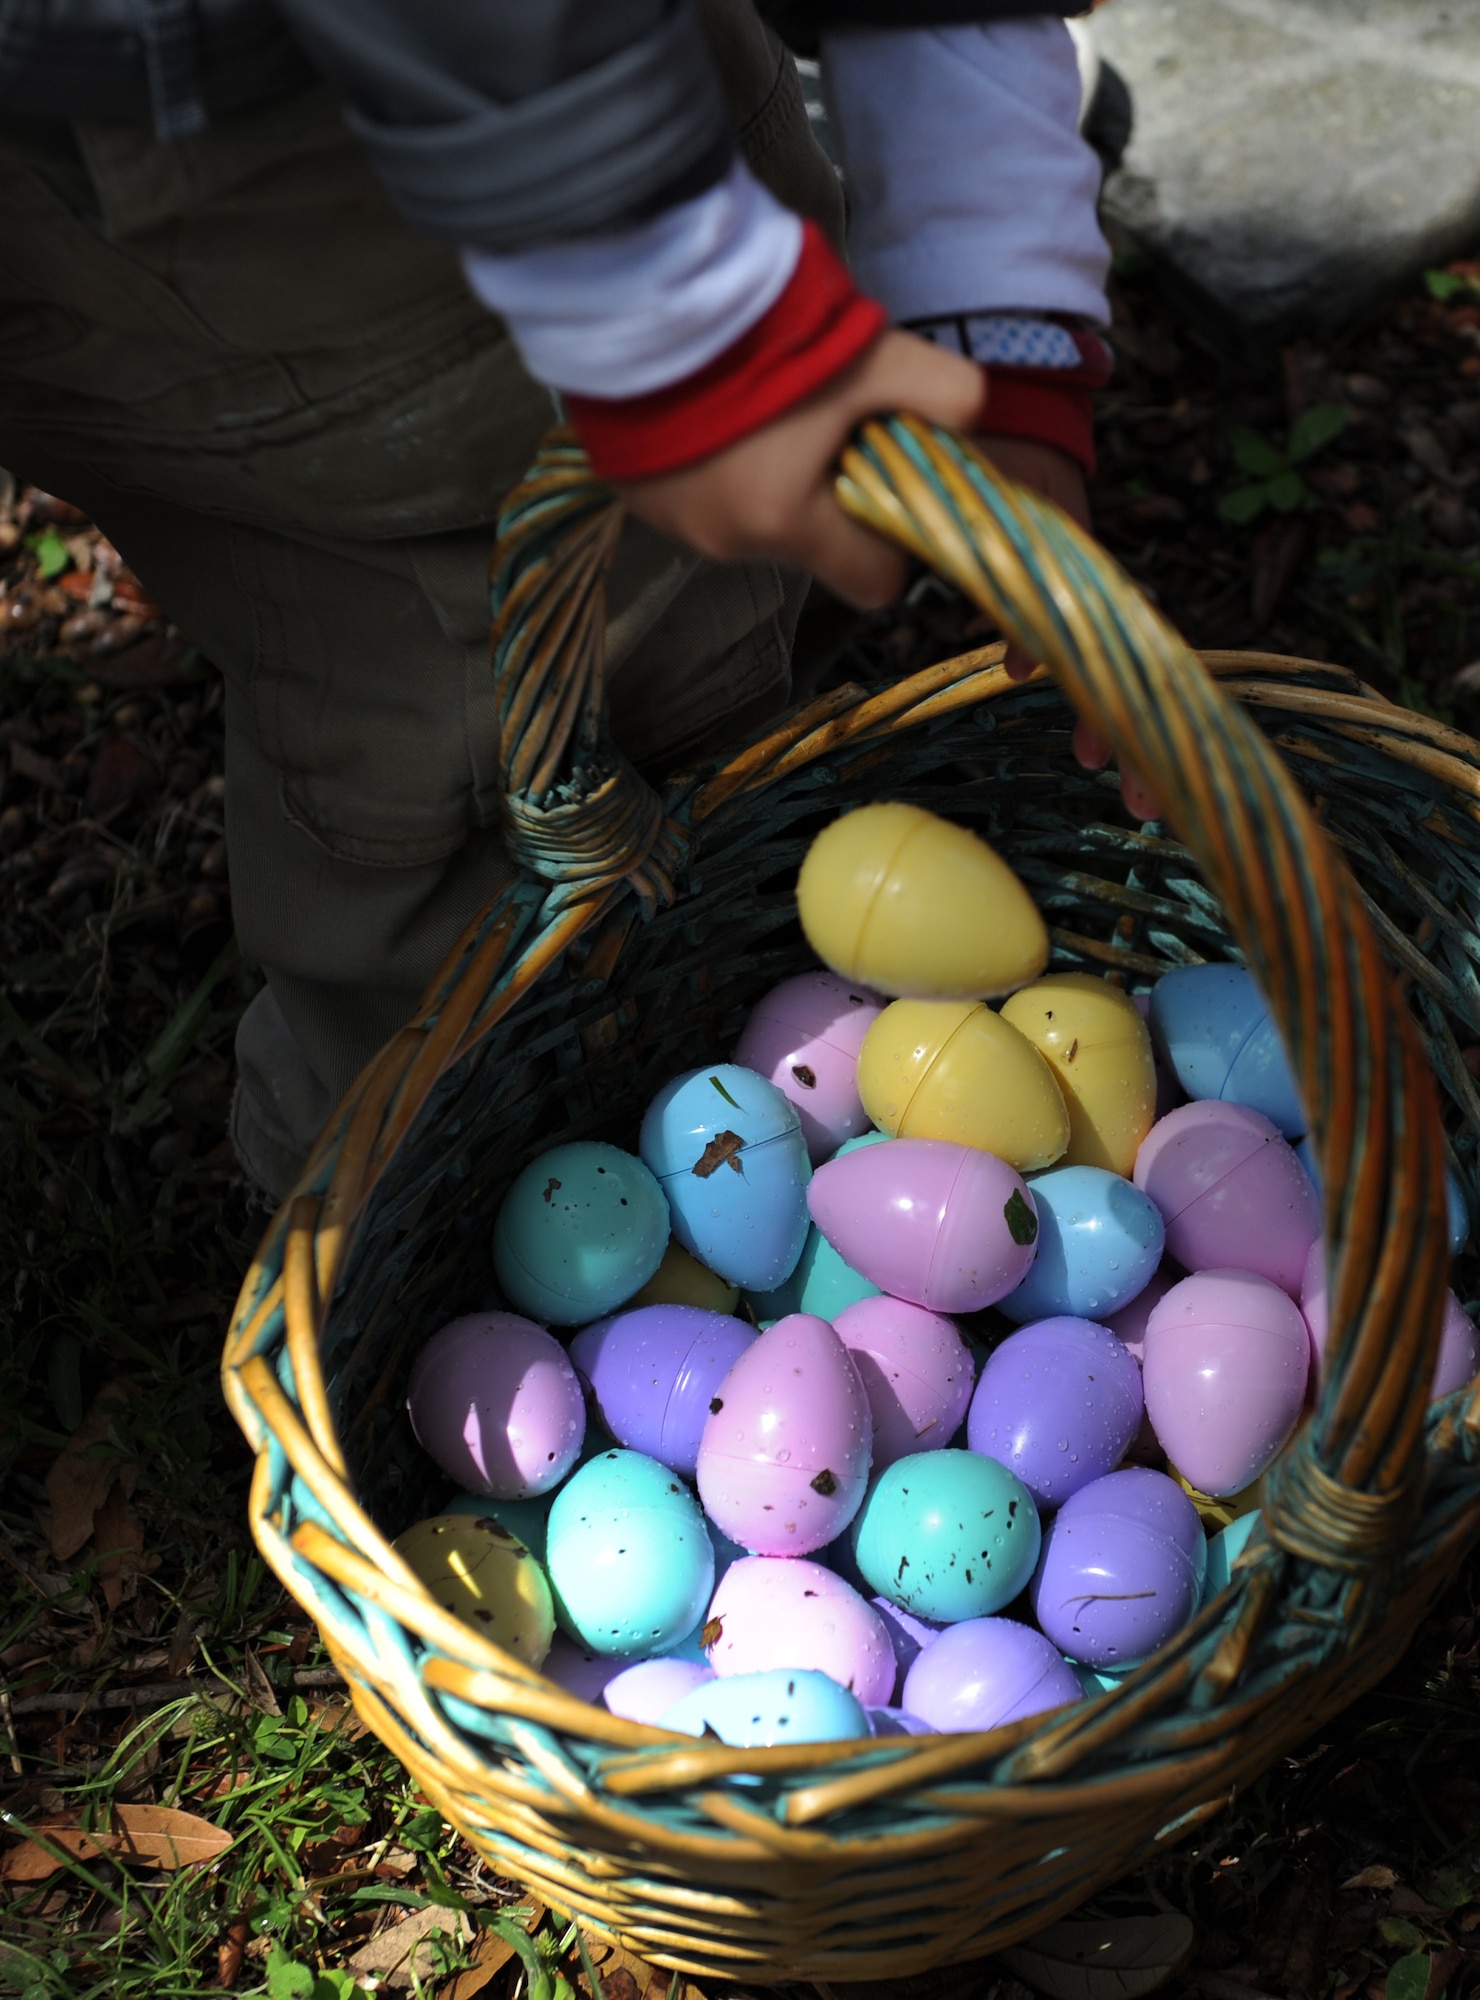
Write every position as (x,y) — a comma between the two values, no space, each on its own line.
(1225,1367)
(1057,1403)
(654,1372)
(785,1454)
(495,1401)
(985,1672)
(647,1689)
(909,1635)
(894,1722)
(1459,1341)
(578,1670)
(916,1372)
(773,1611)
(1121,1569)
(942,1225)
(804,1037)
(1231,1191)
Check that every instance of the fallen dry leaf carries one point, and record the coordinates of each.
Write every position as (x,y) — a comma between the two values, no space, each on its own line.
(31,1862)
(259,1687)
(1375,1877)
(720,1152)
(81,1475)
(395,1953)
(119,1535)
(121,775)
(491,1954)
(166,1836)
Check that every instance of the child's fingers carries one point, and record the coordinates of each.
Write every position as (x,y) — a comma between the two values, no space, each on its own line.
(1092,751)
(1139,801)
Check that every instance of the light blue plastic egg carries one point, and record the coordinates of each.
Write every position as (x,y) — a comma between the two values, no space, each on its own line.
(582,1228)
(783,1705)
(947,1534)
(728,1150)
(1224,1550)
(1213,1027)
(1099,1241)
(629,1556)
(527,1520)
(1454,1196)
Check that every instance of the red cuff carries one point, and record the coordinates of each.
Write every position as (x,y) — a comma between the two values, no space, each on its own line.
(1027,403)
(818,327)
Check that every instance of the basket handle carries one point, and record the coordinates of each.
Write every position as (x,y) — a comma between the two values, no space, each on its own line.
(1346,1495)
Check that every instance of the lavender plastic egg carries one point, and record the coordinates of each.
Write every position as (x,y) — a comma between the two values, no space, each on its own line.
(773,1611)
(947,1534)
(1224,1371)
(630,1562)
(908,1635)
(645,1691)
(895,1722)
(729,1155)
(581,1229)
(1099,1241)
(785,1454)
(494,1400)
(1231,1191)
(916,1372)
(578,1669)
(1058,1403)
(1458,1360)
(653,1373)
(753,1711)
(1122,1568)
(942,1225)
(985,1672)
(1129,1324)
(804,1037)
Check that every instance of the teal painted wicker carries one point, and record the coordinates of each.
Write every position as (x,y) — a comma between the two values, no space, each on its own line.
(631,948)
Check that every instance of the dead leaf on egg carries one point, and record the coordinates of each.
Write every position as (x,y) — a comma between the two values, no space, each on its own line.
(720,1152)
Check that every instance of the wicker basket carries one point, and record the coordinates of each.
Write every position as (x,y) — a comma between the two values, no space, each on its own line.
(630,947)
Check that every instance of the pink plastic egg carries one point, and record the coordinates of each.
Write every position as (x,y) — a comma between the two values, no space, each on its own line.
(495,1401)
(1459,1341)
(645,1691)
(785,1454)
(942,1225)
(916,1372)
(1224,1371)
(804,1037)
(1231,1191)
(771,1612)
(1129,1324)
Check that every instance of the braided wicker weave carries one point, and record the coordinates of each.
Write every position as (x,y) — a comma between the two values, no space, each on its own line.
(629,948)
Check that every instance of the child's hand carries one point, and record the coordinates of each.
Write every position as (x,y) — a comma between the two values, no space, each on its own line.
(1059,478)
(771,494)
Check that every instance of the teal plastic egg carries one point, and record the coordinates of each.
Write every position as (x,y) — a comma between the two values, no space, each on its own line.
(630,1562)
(526,1520)
(1224,1550)
(947,1534)
(582,1228)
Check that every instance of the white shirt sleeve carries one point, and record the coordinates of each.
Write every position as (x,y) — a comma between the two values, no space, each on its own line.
(970,190)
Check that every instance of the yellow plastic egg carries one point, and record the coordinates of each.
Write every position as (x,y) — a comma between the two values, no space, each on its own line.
(681,1280)
(1217,1513)
(914,905)
(952,1069)
(473,1567)
(1099,1049)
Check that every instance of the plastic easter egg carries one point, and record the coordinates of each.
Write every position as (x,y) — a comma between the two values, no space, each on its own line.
(645,1691)
(653,1373)
(728,1151)
(944,1226)
(630,1561)
(1099,1680)
(785,1453)
(916,1373)
(1224,1371)
(526,1520)
(805,1037)
(952,1069)
(1058,1404)
(1219,1037)
(1458,1360)
(1454,1195)
(1224,1550)
(480,1573)
(1099,1243)
(579,1231)
(726,1551)
(1129,1324)
(917,905)
(775,1611)
(1122,1568)
(821,1284)
(947,1534)
(895,1722)
(985,1672)
(494,1400)
(754,1711)
(578,1669)
(681,1280)
(1169,1093)
(908,1635)
(1231,1191)
(1099,1048)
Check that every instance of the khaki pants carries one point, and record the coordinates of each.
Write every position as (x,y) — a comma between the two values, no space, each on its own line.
(297,425)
